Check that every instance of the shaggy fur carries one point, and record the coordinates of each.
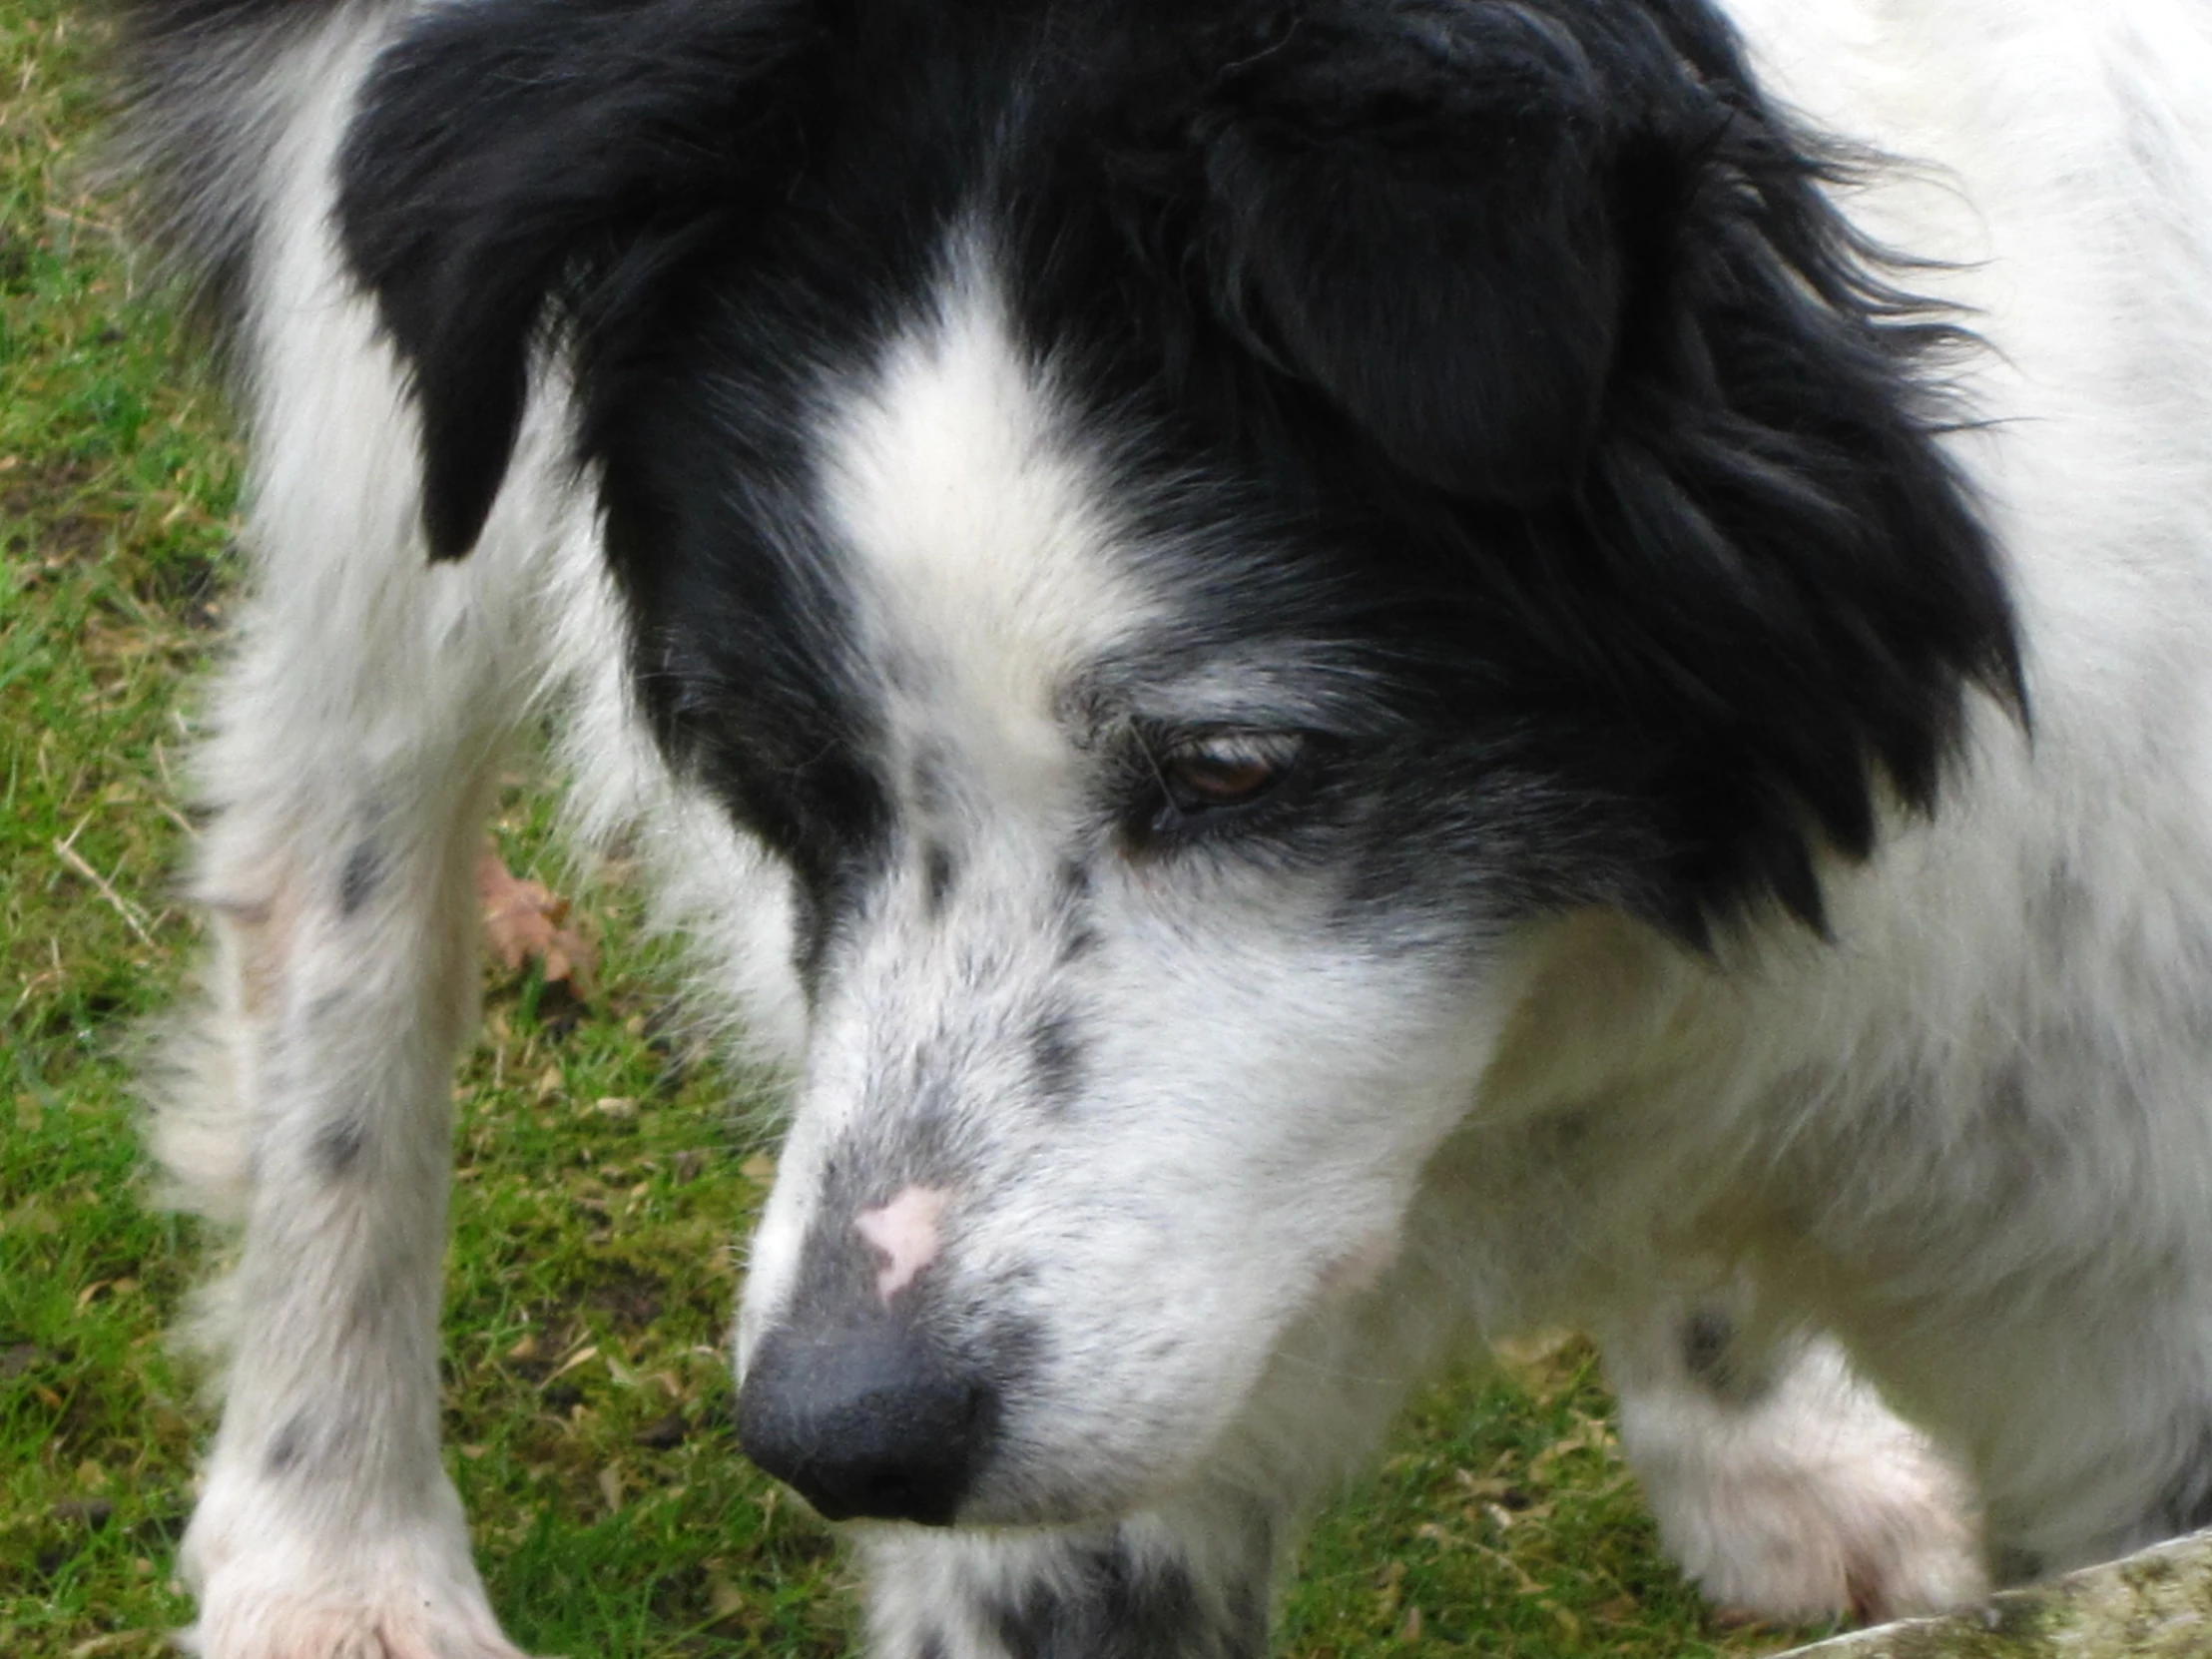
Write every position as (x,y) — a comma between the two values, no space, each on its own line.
(1338,675)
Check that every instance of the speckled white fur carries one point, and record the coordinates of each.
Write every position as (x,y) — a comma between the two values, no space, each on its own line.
(1969,1136)
(324,1024)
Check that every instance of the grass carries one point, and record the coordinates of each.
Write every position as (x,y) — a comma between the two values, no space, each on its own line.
(602,1175)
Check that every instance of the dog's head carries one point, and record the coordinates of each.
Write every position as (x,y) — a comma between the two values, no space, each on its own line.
(1190,530)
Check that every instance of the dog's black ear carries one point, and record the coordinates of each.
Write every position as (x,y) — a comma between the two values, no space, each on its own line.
(513,161)
(1408,212)
(1562,256)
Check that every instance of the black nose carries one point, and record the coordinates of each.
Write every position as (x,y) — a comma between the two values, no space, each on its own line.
(865,1421)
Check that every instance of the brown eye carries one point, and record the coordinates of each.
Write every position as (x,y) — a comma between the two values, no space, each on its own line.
(1227,769)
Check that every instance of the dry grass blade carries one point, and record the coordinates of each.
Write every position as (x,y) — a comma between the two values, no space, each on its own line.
(122,907)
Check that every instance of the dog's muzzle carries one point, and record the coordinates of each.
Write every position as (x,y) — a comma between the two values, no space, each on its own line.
(866,1421)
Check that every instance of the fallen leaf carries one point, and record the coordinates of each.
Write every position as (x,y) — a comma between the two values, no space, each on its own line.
(724,1598)
(522,924)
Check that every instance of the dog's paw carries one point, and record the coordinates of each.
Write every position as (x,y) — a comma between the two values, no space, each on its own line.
(279,1580)
(234,1627)
(1810,1501)
(1867,1543)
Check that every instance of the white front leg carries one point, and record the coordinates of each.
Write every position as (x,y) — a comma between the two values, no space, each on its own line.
(1781,1482)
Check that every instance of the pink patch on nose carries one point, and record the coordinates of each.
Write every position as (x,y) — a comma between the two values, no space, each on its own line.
(905,1231)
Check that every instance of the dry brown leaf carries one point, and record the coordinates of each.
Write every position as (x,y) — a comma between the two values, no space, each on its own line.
(723,1599)
(522,924)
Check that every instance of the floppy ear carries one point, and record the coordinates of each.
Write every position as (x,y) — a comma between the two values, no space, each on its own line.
(523,156)
(1406,213)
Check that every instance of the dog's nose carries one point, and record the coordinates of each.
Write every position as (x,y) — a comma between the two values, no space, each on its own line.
(865,1421)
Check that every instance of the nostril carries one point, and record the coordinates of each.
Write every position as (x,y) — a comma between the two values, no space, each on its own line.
(865,1421)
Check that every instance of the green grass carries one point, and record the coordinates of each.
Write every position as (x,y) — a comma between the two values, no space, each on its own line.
(592,1274)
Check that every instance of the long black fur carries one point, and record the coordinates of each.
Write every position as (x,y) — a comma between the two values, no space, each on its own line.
(1516,345)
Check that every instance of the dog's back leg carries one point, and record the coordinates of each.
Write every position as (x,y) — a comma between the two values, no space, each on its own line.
(354,746)
(1781,1482)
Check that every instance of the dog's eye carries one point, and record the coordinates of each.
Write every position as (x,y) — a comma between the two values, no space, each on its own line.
(1220,770)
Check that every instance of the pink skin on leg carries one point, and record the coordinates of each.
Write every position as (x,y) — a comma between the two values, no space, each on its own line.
(905,1231)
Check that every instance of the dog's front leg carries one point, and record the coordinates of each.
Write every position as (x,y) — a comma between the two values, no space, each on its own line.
(319,1114)
(327,1528)
(1780,1480)
(356,743)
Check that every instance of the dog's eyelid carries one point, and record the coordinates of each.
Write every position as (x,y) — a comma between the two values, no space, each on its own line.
(1210,732)
(1236,744)
(1217,778)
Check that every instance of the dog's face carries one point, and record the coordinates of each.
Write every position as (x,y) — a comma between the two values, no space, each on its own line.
(1186,530)
(1157,970)
(1149,898)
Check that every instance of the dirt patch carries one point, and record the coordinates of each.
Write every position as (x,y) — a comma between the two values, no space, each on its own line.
(41,509)
(15,262)
(188,587)
(630,1296)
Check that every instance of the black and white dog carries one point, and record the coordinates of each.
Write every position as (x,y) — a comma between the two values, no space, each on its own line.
(1340,674)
